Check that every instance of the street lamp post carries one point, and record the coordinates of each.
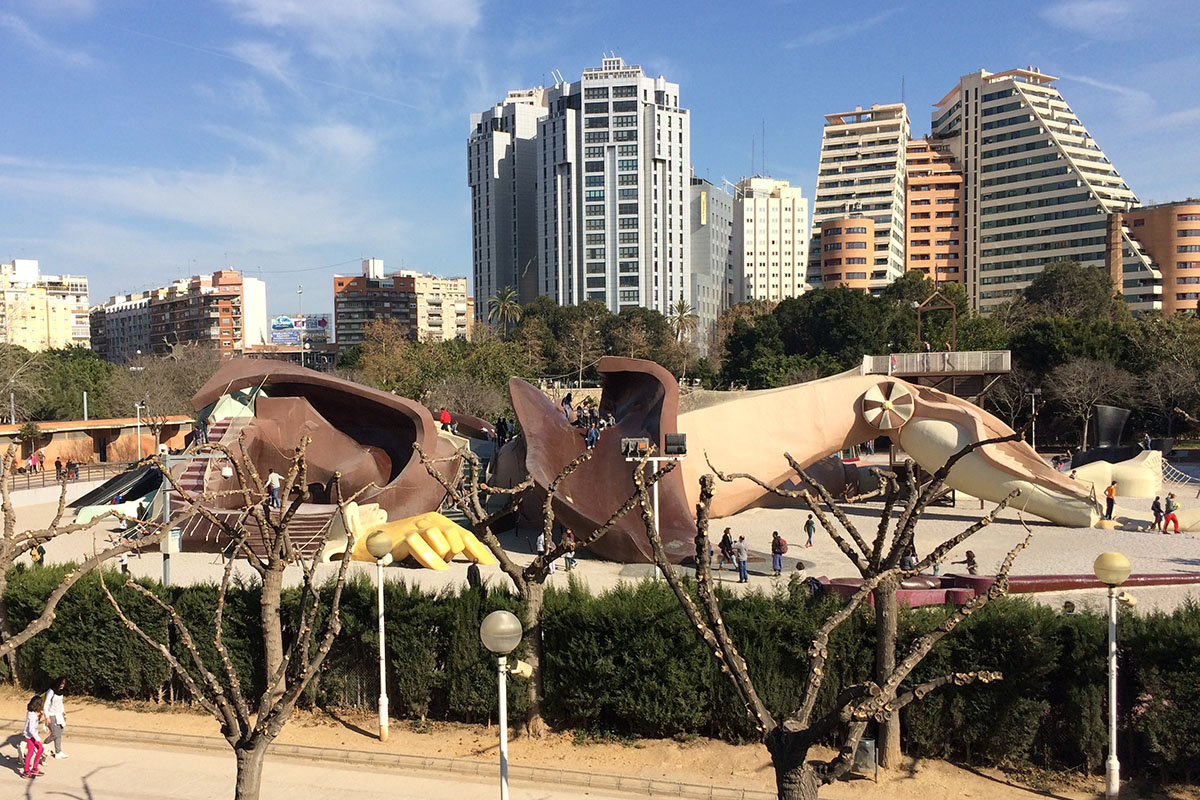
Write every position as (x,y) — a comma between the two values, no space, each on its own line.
(1034,393)
(138,407)
(379,545)
(1112,569)
(501,632)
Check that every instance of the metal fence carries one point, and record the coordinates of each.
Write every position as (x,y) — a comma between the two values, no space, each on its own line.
(969,362)
(47,477)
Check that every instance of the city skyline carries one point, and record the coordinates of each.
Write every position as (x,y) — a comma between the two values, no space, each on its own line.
(291,141)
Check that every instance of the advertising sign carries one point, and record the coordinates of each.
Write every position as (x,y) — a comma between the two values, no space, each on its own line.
(313,328)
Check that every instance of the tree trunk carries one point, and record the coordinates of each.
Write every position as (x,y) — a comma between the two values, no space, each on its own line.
(249,770)
(1083,445)
(794,778)
(886,622)
(272,622)
(6,632)
(535,725)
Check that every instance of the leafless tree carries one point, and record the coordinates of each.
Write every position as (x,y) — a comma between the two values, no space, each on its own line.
(1080,384)
(1007,395)
(21,383)
(16,543)
(259,535)
(472,501)
(789,740)
(163,385)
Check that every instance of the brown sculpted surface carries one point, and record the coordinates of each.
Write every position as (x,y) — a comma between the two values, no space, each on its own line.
(644,399)
(365,435)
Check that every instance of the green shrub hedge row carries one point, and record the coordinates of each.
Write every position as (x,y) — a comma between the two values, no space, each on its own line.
(626,663)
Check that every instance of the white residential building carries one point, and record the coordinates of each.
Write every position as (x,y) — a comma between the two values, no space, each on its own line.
(712,219)
(1037,186)
(770,240)
(861,177)
(501,171)
(42,312)
(615,174)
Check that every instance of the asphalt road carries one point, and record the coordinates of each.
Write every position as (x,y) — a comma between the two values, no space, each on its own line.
(115,772)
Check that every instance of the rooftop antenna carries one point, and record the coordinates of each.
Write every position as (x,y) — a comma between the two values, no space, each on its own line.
(764,148)
(901,88)
(753,143)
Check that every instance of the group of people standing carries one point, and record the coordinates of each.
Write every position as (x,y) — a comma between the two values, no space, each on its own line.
(46,708)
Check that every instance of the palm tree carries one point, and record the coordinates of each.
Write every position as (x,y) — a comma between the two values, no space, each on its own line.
(503,307)
(683,319)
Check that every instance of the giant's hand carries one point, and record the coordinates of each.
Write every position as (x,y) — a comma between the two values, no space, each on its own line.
(430,538)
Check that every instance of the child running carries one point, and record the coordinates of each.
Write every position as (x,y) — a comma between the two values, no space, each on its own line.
(33,742)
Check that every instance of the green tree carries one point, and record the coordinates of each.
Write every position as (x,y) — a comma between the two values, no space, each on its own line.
(1068,289)
(71,371)
(504,308)
(683,319)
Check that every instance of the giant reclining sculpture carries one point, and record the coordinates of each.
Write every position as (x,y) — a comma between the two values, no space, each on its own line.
(260,410)
(750,432)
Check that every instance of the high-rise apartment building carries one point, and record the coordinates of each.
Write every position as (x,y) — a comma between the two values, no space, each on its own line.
(1037,187)
(225,311)
(444,307)
(860,185)
(770,240)
(614,175)
(41,312)
(502,165)
(712,220)
(1154,256)
(933,243)
(426,306)
(121,326)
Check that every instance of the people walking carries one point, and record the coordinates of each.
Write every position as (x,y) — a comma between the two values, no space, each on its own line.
(33,740)
(58,470)
(55,716)
(1156,509)
(777,546)
(273,482)
(742,555)
(1169,515)
(593,435)
(1110,499)
(810,528)
(726,548)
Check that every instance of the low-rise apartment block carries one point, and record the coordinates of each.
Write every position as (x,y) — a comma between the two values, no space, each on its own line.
(1154,256)
(427,306)
(770,240)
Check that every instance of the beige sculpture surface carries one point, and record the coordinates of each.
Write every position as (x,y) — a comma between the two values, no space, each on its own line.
(750,431)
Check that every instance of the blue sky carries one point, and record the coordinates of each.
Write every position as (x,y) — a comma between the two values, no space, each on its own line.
(147,140)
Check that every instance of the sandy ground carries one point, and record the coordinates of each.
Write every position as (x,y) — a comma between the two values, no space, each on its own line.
(1053,550)
(698,761)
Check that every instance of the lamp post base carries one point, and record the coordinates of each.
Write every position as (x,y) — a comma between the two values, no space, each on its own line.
(1112,778)
(383,718)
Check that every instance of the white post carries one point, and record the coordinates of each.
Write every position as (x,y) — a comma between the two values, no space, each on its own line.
(85,418)
(12,407)
(166,495)
(502,664)
(138,407)
(1033,420)
(383,698)
(1112,783)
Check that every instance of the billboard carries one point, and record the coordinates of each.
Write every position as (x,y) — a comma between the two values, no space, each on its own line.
(313,328)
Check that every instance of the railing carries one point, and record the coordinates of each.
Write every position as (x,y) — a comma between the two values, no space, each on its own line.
(967,362)
(87,472)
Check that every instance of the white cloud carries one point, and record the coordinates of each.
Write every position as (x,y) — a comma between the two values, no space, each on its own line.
(1132,103)
(342,142)
(35,41)
(340,30)
(833,33)
(1100,19)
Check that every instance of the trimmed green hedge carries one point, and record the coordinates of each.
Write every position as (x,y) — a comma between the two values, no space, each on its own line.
(627,663)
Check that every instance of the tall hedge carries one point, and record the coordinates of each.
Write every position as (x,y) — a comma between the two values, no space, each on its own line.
(627,663)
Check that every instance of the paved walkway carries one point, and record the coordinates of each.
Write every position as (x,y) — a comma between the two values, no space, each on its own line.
(98,771)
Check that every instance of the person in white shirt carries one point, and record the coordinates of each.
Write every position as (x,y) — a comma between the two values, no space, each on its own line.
(273,481)
(55,717)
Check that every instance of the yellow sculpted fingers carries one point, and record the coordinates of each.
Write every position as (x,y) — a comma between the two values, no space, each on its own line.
(432,540)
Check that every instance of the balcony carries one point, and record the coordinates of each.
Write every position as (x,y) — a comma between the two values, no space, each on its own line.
(911,365)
